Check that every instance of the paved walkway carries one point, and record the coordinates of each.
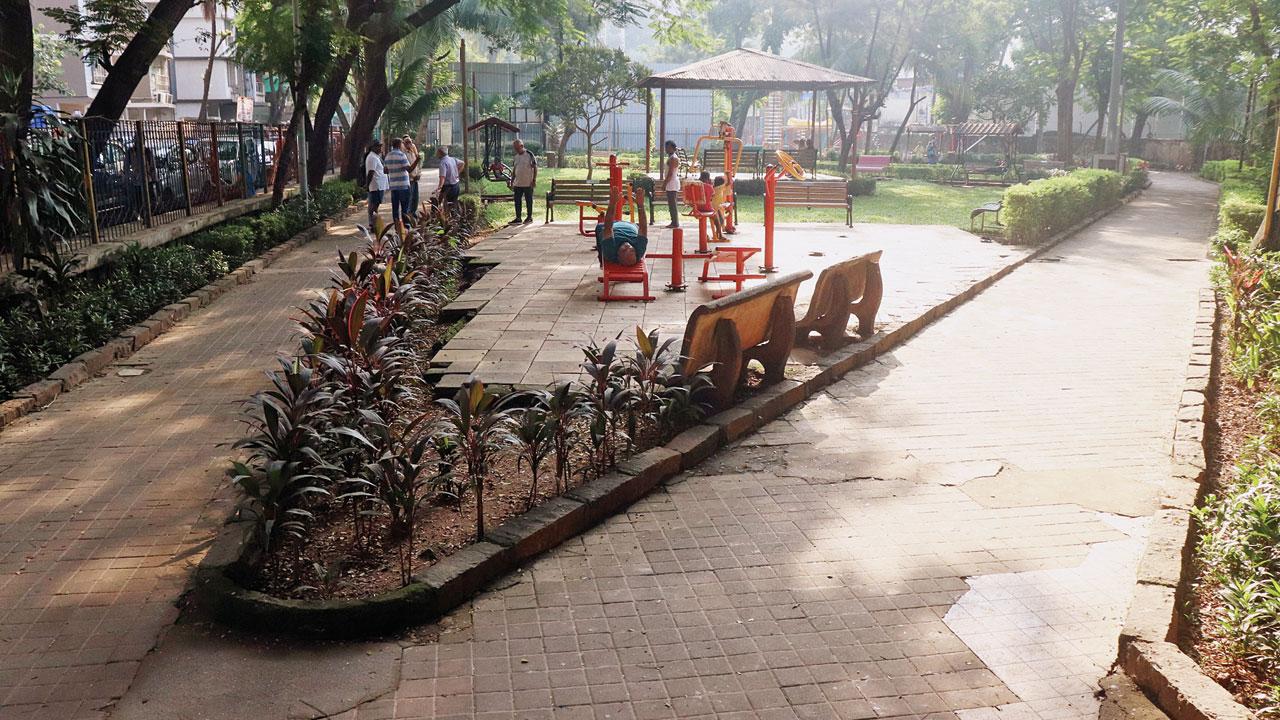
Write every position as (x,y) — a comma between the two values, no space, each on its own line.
(102,493)
(950,532)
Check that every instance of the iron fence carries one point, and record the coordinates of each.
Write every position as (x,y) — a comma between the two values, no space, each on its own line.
(144,174)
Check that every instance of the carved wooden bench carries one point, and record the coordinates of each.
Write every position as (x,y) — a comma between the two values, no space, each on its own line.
(851,287)
(815,193)
(756,324)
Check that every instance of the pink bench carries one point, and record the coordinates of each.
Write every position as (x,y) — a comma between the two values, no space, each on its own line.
(873,164)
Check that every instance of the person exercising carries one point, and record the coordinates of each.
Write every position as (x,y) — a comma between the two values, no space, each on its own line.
(621,242)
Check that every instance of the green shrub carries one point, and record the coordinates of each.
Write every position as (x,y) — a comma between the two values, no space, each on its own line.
(641,180)
(235,239)
(1038,209)
(1234,238)
(101,303)
(862,186)
(1135,179)
(1243,214)
(749,187)
(1217,170)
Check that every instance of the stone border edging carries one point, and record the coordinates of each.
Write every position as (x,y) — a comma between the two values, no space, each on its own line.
(460,576)
(1148,651)
(86,365)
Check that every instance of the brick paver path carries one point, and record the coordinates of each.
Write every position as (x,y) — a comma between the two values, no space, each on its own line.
(856,560)
(101,493)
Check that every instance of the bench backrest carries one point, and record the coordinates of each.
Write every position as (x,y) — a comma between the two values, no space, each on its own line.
(750,311)
(852,273)
(568,191)
(807,157)
(874,162)
(800,191)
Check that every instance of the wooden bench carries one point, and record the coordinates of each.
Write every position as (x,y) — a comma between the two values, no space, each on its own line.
(987,174)
(873,164)
(756,324)
(580,193)
(815,194)
(751,160)
(851,287)
(981,212)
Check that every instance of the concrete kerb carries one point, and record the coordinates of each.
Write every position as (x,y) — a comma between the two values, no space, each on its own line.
(85,366)
(1148,651)
(460,576)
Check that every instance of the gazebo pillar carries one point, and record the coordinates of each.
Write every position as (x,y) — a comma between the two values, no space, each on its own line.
(662,120)
(813,130)
(648,129)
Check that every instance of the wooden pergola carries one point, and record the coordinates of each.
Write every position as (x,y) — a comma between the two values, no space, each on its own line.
(741,69)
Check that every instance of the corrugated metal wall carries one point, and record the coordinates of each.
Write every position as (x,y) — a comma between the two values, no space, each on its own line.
(688,111)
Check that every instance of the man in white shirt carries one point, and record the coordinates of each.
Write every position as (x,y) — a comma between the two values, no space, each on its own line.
(375,178)
(449,174)
(524,176)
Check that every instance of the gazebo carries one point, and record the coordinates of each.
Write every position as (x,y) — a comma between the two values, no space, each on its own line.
(741,69)
(960,138)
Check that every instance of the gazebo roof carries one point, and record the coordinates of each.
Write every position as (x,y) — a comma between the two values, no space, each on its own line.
(491,120)
(746,69)
(971,128)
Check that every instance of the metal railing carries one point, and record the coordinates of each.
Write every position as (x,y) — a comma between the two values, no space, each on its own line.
(141,174)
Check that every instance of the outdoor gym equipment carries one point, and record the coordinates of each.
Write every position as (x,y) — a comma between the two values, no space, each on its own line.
(731,161)
(789,165)
(799,193)
(491,130)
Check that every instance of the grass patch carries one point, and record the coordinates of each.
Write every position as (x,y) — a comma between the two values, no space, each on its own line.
(906,202)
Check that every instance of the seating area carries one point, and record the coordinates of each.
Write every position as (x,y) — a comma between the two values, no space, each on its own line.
(849,288)
(980,214)
(876,165)
(756,324)
(751,161)
(816,194)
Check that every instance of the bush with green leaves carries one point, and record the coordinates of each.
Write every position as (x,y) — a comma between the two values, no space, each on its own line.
(1036,210)
(55,314)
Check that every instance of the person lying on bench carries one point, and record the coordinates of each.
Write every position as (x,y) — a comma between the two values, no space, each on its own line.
(621,242)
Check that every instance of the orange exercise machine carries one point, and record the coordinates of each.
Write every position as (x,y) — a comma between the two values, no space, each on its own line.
(615,185)
(772,173)
(732,159)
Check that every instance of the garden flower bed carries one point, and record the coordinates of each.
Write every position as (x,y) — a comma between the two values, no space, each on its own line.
(54,314)
(356,482)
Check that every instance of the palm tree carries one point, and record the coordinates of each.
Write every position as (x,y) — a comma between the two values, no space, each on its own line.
(1212,113)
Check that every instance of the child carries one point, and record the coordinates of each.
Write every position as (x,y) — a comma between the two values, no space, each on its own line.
(719,199)
(707,206)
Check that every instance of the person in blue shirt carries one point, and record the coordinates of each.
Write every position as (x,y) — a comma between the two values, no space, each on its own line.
(621,242)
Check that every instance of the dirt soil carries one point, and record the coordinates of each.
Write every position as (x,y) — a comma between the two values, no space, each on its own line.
(1233,422)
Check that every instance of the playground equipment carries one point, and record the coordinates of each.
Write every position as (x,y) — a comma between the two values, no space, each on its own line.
(789,165)
(491,130)
(732,159)
(798,193)
(695,196)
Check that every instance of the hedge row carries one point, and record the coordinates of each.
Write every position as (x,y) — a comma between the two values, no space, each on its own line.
(56,317)
(1036,210)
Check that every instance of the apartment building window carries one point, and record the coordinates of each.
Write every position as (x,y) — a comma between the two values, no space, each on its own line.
(99,74)
(160,82)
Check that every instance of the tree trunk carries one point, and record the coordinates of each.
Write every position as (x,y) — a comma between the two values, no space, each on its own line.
(1139,127)
(285,159)
(208,69)
(326,107)
(591,168)
(836,104)
(135,62)
(17,55)
(564,144)
(1066,95)
(374,97)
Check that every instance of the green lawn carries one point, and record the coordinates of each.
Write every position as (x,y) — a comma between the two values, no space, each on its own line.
(908,202)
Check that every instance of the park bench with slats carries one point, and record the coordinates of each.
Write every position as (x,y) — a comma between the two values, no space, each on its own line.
(873,164)
(982,211)
(815,194)
(755,324)
(584,194)
(851,287)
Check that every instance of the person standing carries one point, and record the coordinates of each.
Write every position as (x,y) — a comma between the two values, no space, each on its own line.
(448,189)
(375,178)
(524,176)
(671,182)
(415,173)
(397,169)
